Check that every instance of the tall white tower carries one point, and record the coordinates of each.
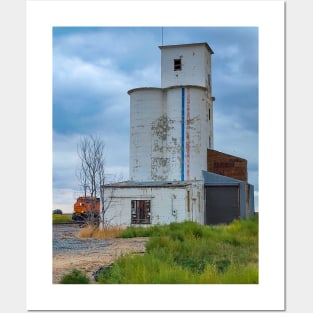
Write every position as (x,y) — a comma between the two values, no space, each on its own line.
(171,127)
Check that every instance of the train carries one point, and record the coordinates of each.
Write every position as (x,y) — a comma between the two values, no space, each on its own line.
(83,210)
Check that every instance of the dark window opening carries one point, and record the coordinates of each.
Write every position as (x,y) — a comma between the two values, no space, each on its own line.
(140,211)
(177,64)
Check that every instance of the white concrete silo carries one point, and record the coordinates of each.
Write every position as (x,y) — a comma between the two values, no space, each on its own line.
(171,127)
(145,108)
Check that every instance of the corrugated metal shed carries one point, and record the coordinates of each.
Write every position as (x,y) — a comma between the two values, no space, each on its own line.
(226,198)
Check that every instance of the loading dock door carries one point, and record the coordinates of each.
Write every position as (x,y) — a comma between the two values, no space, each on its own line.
(222,204)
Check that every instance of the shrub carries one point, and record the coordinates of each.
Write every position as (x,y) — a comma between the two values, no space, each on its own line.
(195,265)
(75,277)
(139,231)
(103,272)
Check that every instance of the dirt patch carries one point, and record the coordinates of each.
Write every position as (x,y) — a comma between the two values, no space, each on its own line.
(91,259)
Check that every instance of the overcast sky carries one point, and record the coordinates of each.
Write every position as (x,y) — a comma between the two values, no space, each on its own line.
(93,68)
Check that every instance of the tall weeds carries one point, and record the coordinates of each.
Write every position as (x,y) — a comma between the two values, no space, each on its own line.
(95,232)
(188,253)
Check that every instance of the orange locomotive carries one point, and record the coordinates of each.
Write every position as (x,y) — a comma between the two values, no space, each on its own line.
(83,209)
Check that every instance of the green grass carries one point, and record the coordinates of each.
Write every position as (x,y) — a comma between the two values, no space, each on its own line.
(150,231)
(61,218)
(75,277)
(188,253)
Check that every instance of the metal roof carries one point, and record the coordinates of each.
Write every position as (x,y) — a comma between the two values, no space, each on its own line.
(150,184)
(210,178)
(187,45)
(164,88)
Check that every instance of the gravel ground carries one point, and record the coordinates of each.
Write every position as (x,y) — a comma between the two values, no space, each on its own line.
(87,255)
(65,239)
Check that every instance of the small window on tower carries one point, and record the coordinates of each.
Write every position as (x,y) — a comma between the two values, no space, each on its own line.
(177,64)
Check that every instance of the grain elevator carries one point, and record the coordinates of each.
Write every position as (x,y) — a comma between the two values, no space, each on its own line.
(171,127)
(171,141)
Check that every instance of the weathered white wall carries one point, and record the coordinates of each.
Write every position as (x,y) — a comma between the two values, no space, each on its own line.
(156,133)
(174,138)
(168,204)
(196,65)
(197,132)
(145,108)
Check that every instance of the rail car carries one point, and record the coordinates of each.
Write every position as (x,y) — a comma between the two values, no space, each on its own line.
(86,209)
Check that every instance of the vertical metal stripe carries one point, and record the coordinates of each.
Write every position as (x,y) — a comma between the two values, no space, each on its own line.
(187,134)
(182,134)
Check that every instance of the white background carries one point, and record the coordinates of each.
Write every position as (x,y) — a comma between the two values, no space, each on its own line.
(269,17)
(269,294)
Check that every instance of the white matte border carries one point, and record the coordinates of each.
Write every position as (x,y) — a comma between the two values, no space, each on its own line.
(268,16)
